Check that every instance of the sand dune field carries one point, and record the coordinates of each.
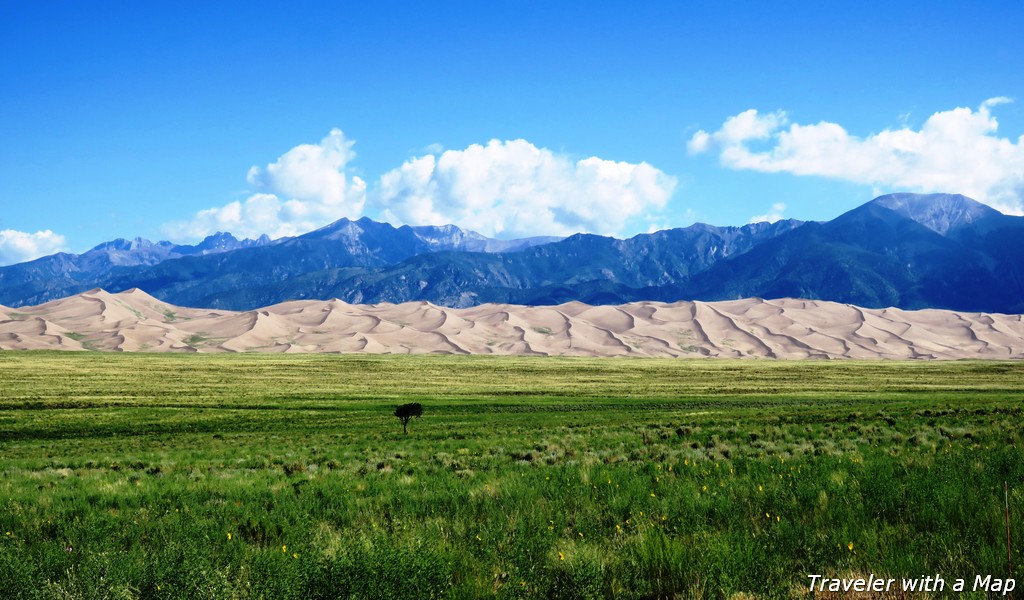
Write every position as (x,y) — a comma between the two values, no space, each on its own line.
(134,321)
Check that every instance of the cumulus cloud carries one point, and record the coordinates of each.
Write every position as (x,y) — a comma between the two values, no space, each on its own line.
(305,188)
(775,214)
(513,188)
(506,188)
(19,246)
(957,151)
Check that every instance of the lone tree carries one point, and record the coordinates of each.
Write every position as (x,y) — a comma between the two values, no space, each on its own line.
(406,412)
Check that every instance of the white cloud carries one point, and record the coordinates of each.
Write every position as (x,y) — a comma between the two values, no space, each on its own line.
(700,142)
(513,188)
(775,214)
(305,188)
(19,246)
(956,151)
(505,187)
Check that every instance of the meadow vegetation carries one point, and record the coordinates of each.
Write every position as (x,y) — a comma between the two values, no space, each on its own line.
(263,476)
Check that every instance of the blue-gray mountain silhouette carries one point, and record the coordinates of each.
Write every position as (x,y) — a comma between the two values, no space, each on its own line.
(903,250)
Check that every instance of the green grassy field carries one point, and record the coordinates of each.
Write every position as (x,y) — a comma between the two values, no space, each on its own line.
(260,476)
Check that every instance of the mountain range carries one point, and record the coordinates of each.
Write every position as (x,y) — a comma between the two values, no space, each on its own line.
(908,251)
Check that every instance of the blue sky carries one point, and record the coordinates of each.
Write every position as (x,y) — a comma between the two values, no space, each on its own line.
(173,120)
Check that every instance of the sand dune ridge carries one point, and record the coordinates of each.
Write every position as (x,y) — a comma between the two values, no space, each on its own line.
(134,321)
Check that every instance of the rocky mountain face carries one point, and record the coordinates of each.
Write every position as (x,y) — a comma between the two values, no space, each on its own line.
(901,250)
(226,265)
(62,274)
(942,213)
(590,268)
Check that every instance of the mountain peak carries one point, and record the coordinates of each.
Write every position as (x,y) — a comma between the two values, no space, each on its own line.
(939,212)
(219,239)
(343,227)
(125,245)
(220,235)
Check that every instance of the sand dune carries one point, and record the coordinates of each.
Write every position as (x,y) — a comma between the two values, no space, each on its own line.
(134,321)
